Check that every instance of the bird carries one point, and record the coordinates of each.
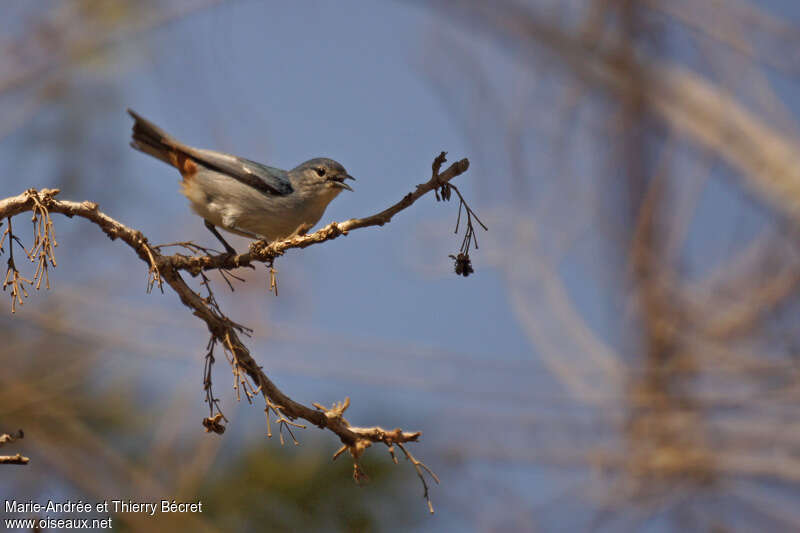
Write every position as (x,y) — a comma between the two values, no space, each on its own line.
(241,196)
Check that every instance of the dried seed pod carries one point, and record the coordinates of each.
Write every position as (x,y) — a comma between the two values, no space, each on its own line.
(463,265)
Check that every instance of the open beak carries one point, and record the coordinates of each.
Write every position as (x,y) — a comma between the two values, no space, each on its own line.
(338,180)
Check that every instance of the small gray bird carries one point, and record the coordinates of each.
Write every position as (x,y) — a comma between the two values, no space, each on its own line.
(242,196)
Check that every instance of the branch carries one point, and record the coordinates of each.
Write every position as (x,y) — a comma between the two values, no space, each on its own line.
(13,460)
(6,438)
(250,379)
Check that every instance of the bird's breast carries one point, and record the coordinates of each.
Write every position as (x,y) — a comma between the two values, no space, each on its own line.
(232,205)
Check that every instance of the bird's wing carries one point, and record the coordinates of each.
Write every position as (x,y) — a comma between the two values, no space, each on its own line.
(268,180)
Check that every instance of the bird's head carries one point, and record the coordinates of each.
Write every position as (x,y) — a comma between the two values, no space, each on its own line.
(323,174)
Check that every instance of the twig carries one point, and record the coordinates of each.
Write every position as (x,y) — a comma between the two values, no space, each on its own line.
(463,265)
(7,437)
(153,274)
(14,460)
(13,277)
(44,244)
(419,466)
(273,278)
(215,415)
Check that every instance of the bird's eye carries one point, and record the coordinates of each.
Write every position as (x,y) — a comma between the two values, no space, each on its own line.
(320,171)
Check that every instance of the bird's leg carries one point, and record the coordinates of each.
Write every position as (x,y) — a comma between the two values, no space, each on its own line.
(246,233)
(213,229)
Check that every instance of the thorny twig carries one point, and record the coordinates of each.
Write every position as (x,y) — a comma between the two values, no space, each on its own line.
(44,243)
(13,277)
(390,439)
(188,245)
(273,278)
(283,423)
(419,466)
(42,252)
(241,381)
(463,264)
(153,276)
(195,250)
(215,415)
(248,375)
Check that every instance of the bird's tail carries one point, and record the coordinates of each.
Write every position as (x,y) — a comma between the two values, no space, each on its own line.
(152,140)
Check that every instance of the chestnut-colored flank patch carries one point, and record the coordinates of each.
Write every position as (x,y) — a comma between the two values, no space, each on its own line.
(184,164)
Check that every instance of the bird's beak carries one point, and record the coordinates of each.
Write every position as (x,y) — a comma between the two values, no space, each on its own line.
(338,180)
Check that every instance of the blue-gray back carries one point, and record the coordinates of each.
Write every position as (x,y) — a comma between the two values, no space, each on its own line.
(268,180)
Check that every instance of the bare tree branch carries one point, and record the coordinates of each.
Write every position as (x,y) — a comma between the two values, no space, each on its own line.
(250,379)
(13,460)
